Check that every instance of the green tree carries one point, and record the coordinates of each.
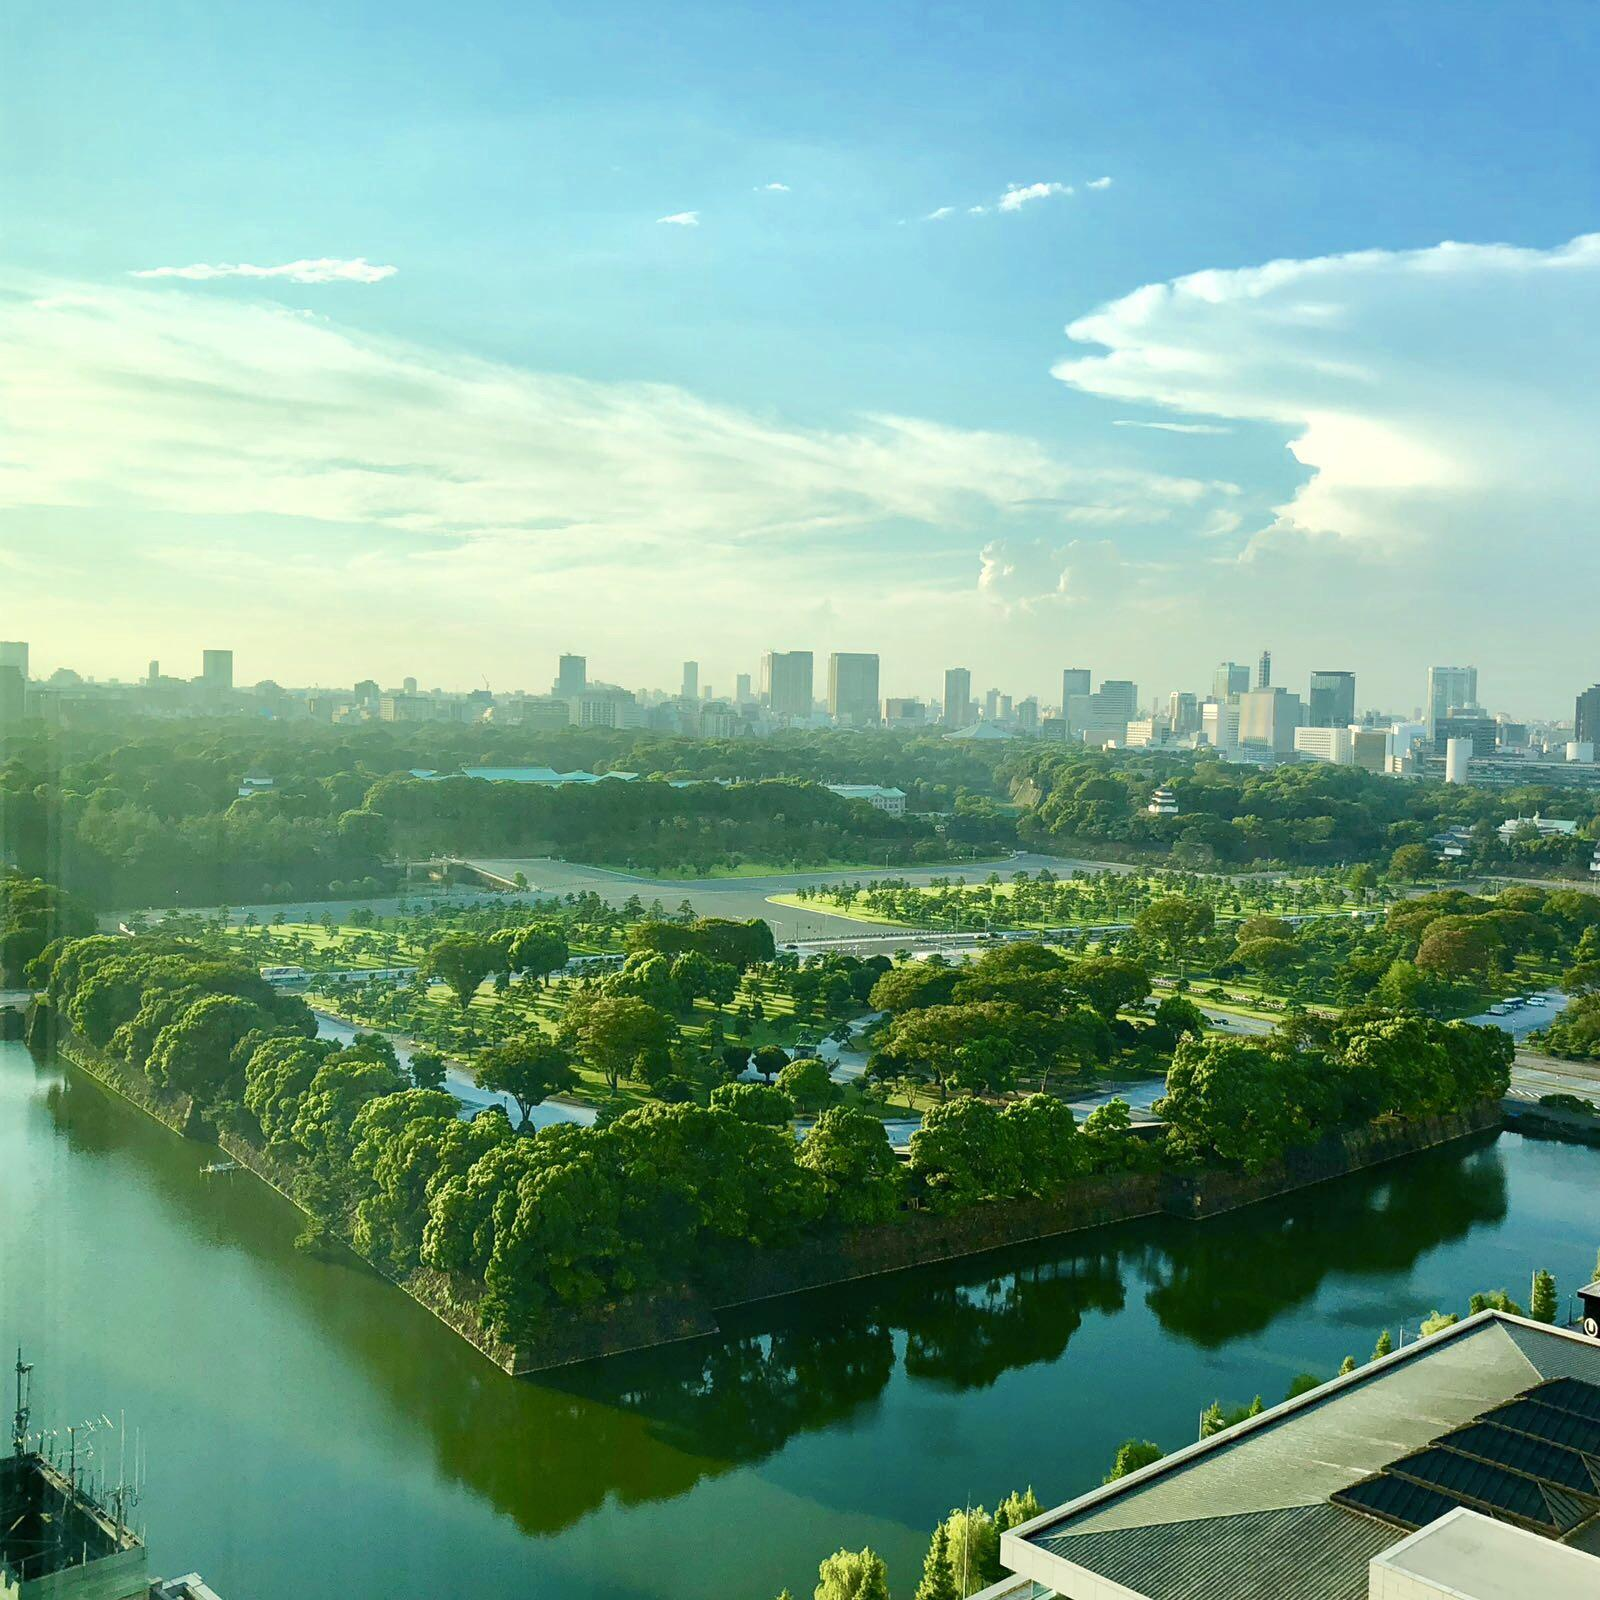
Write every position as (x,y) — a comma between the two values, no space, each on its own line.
(1238,1100)
(1412,862)
(1384,1346)
(539,948)
(1437,1321)
(1132,1454)
(622,1037)
(964,1152)
(461,961)
(193,1053)
(807,1083)
(1543,1305)
(427,1069)
(1110,983)
(850,1153)
(912,986)
(769,1059)
(1493,1300)
(938,1582)
(852,1575)
(1176,924)
(754,1102)
(529,1069)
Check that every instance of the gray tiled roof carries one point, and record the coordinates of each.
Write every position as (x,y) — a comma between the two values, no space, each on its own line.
(1318,1551)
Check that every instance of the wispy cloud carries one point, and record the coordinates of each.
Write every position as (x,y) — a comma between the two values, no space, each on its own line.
(682,219)
(939,213)
(1171,427)
(1098,183)
(1019,195)
(324,269)
(772,188)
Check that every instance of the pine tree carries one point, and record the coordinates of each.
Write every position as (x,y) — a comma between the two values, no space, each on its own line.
(1384,1346)
(1542,1303)
(938,1582)
(1347,1365)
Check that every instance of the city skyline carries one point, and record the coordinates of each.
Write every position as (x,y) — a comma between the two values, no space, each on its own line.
(656,333)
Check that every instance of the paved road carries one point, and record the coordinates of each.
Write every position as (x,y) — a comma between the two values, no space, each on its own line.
(1534,1075)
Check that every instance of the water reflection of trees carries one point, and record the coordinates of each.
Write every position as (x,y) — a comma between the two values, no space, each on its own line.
(547,1452)
(1230,1277)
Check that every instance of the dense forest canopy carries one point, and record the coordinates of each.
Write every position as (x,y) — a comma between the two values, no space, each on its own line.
(153,815)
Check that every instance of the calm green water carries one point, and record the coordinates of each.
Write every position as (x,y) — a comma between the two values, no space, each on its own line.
(312,1433)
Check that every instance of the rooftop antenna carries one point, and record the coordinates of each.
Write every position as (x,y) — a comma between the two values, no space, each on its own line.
(19,1421)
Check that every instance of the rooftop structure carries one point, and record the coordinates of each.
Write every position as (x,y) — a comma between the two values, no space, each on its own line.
(59,1540)
(1496,1414)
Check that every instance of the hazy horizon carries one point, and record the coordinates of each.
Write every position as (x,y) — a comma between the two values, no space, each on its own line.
(625,340)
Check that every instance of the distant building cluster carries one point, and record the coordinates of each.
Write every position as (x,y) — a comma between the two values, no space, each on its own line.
(1241,716)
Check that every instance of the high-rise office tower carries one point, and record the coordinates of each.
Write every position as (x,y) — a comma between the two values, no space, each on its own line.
(1450,689)
(14,653)
(152,674)
(853,688)
(957,697)
(1229,681)
(1028,714)
(786,682)
(1074,680)
(991,705)
(408,686)
(1586,717)
(1269,717)
(1332,700)
(691,681)
(1183,713)
(1120,695)
(216,669)
(572,676)
(1264,670)
(741,689)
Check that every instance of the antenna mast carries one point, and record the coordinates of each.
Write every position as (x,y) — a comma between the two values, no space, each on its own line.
(19,1420)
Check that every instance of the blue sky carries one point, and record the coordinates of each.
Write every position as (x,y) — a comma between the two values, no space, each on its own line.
(511,164)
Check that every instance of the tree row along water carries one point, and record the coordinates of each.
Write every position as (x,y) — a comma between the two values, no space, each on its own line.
(313,1433)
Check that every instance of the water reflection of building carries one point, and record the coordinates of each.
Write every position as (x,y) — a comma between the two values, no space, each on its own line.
(1461,1466)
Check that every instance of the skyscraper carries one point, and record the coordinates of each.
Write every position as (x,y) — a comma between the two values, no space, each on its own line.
(1074,680)
(786,682)
(853,688)
(1120,695)
(1449,689)
(1183,713)
(1269,717)
(691,681)
(1264,670)
(14,653)
(1229,681)
(572,677)
(1332,701)
(957,697)
(1586,718)
(216,669)
(991,705)
(741,689)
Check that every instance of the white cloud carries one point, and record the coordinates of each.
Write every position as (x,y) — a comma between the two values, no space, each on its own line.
(939,214)
(682,219)
(977,211)
(1171,427)
(1099,183)
(1441,404)
(204,406)
(772,188)
(1019,195)
(324,269)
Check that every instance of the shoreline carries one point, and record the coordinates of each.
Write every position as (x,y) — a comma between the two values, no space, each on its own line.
(748,1277)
